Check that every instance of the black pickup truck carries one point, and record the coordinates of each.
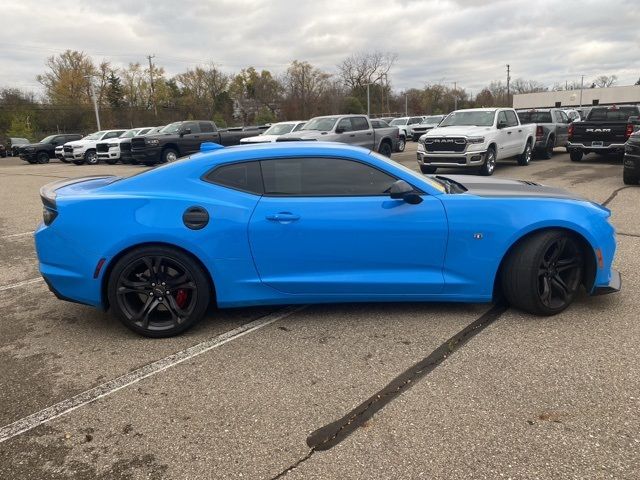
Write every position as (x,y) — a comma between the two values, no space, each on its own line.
(179,139)
(44,150)
(605,130)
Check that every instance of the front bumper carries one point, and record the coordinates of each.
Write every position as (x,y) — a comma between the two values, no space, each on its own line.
(28,156)
(115,155)
(614,285)
(150,154)
(451,159)
(75,155)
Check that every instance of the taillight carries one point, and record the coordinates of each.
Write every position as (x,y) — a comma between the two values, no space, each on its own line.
(48,215)
(628,131)
(571,131)
(539,133)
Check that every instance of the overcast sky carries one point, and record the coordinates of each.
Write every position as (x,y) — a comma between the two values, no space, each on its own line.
(437,41)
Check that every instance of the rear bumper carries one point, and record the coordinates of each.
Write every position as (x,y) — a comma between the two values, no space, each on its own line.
(612,147)
(614,285)
(451,160)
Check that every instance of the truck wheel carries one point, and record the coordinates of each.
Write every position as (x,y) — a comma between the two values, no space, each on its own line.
(91,157)
(629,177)
(402,142)
(575,155)
(385,149)
(525,157)
(489,164)
(43,157)
(168,155)
(426,169)
(547,153)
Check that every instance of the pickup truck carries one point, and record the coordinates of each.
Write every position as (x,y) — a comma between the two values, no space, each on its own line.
(350,129)
(552,128)
(111,151)
(605,130)
(476,138)
(44,150)
(180,139)
(424,126)
(84,150)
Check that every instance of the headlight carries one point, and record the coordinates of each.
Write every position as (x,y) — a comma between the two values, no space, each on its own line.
(152,141)
(77,147)
(113,145)
(475,140)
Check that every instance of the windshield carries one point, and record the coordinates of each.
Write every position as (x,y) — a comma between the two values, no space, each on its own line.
(322,124)
(94,136)
(535,117)
(432,120)
(171,128)
(612,114)
(130,133)
(279,129)
(47,139)
(469,119)
(398,121)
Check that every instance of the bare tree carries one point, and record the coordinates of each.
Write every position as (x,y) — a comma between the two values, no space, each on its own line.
(604,81)
(362,68)
(519,85)
(304,85)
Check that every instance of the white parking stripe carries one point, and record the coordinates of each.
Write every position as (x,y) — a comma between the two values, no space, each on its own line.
(62,408)
(20,284)
(14,235)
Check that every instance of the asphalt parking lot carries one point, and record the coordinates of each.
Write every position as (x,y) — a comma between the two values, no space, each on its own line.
(241,395)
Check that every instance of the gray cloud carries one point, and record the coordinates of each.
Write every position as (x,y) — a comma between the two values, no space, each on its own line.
(466,41)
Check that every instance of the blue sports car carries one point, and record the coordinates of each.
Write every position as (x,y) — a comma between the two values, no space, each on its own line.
(310,222)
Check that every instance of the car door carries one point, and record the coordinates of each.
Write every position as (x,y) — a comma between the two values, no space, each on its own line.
(363,132)
(516,134)
(346,127)
(503,136)
(191,141)
(326,226)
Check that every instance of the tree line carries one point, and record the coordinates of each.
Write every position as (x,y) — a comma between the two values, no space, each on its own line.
(142,94)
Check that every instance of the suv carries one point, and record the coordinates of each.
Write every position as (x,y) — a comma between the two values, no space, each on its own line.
(44,150)
(84,150)
(111,151)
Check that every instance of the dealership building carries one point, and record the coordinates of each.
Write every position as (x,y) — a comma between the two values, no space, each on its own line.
(575,98)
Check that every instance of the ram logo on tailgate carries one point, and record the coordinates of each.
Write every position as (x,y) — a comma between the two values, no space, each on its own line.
(598,130)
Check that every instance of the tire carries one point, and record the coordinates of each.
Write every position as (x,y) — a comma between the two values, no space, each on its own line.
(426,169)
(385,149)
(575,155)
(524,158)
(489,164)
(547,153)
(543,273)
(158,291)
(91,157)
(402,143)
(168,155)
(42,157)
(629,177)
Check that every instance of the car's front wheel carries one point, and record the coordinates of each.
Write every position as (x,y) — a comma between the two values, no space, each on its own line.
(43,157)
(169,155)
(158,291)
(489,164)
(91,157)
(543,274)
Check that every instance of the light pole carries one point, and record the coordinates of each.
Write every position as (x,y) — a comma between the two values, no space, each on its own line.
(93,97)
(368,101)
(581,85)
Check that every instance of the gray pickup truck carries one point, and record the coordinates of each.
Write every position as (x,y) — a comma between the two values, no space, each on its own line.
(350,129)
(552,128)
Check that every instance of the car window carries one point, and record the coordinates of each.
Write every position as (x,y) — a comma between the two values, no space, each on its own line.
(359,123)
(191,125)
(243,176)
(612,113)
(345,125)
(512,120)
(414,120)
(323,177)
(563,117)
(111,135)
(502,118)
(59,139)
(530,116)
(206,127)
(297,127)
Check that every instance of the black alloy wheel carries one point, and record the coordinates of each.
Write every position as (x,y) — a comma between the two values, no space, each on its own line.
(158,291)
(559,273)
(43,157)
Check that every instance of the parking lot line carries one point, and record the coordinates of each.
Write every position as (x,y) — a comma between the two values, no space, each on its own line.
(62,408)
(14,235)
(20,284)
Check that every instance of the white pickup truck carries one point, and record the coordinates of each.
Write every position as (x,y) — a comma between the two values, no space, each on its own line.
(476,138)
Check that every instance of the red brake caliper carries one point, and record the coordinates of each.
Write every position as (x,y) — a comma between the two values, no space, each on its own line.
(181,298)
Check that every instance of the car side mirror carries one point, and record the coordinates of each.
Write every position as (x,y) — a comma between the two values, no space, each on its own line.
(340,130)
(401,190)
(502,124)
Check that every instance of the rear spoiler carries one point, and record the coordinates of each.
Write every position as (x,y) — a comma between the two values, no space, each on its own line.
(48,192)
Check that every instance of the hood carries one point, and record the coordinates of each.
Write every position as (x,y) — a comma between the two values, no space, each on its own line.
(81,143)
(34,145)
(458,131)
(502,187)
(260,139)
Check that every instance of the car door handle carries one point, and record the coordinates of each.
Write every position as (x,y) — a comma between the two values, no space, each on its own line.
(509,133)
(283,217)
(352,135)
(520,130)
(368,133)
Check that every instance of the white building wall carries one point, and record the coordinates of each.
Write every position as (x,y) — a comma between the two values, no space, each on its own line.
(571,98)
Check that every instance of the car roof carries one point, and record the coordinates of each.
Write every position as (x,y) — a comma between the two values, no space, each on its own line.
(491,109)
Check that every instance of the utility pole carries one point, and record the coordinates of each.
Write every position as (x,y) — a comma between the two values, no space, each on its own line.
(581,86)
(368,102)
(406,104)
(95,101)
(508,91)
(455,95)
(153,90)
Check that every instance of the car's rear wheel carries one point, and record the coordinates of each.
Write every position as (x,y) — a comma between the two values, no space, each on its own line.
(489,164)
(575,155)
(629,177)
(547,153)
(385,149)
(426,169)
(402,143)
(543,274)
(158,291)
